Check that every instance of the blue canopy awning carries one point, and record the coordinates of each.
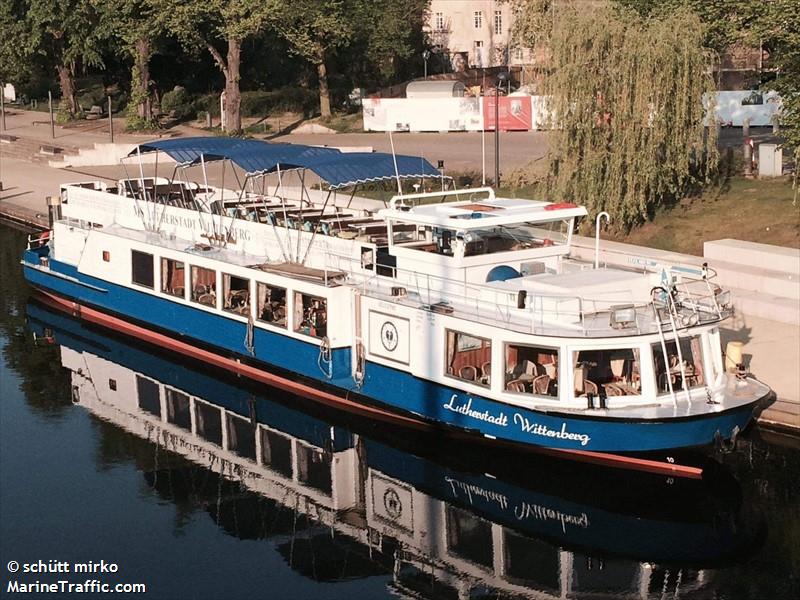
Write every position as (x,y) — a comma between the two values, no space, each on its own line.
(252,156)
(338,169)
(351,168)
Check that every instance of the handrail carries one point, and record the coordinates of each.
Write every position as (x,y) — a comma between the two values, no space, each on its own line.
(395,200)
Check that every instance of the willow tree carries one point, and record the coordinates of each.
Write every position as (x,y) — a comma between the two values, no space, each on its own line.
(626,104)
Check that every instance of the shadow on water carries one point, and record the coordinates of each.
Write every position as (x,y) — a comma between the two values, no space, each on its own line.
(341,500)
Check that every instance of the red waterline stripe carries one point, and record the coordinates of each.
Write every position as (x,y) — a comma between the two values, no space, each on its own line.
(235,366)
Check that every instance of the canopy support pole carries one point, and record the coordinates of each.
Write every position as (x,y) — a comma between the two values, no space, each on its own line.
(316,228)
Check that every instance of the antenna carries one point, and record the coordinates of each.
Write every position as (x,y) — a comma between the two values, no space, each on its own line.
(394,159)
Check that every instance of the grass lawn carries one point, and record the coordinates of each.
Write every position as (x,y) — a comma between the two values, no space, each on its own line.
(745,209)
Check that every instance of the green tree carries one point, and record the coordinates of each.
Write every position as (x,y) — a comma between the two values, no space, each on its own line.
(315,29)
(221,27)
(68,34)
(627,112)
(136,25)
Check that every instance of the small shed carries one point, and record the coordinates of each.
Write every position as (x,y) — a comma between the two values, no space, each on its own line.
(435,88)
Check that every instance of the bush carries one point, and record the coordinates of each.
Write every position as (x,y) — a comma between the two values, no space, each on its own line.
(262,103)
(177,100)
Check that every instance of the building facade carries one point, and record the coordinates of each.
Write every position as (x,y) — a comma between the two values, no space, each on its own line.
(474,33)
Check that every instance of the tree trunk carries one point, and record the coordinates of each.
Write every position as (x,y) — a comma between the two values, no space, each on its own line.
(67,84)
(233,97)
(324,93)
(141,79)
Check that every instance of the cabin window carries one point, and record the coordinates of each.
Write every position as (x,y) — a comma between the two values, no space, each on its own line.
(106,256)
(469,358)
(236,294)
(148,394)
(530,562)
(204,286)
(368,258)
(469,537)
(142,268)
(690,352)
(209,422)
(314,468)
(272,304)
(310,315)
(613,372)
(112,385)
(276,452)
(178,409)
(173,277)
(241,437)
(531,370)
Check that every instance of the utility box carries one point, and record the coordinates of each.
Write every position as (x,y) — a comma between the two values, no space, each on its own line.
(770,160)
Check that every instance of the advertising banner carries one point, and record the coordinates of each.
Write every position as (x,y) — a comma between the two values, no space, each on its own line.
(514,113)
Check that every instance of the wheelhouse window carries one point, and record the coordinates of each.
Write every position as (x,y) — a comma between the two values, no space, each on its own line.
(469,358)
(271,304)
(670,372)
(173,277)
(241,437)
(531,370)
(276,452)
(178,407)
(310,315)
(204,286)
(236,294)
(612,372)
(142,268)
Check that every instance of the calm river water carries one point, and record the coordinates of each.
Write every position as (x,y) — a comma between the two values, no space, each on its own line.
(122,465)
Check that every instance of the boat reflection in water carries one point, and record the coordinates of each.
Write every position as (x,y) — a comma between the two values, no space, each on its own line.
(343,499)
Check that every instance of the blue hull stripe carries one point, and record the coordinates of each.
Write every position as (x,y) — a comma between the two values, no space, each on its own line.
(392,387)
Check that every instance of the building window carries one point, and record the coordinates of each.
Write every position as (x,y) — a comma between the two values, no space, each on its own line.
(178,407)
(204,286)
(276,452)
(478,19)
(690,352)
(531,370)
(310,315)
(498,22)
(241,437)
(173,277)
(236,294)
(271,304)
(469,358)
(611,372)
(439,21)
(106,256)
(518,53)
(142,268)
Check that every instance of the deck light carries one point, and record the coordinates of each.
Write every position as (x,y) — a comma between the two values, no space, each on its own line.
(622,316)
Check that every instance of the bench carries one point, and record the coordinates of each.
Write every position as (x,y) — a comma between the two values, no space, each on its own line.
(49,149)
(94,113)
(6,138)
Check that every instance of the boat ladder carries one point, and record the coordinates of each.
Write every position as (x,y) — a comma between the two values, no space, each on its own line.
(672,313)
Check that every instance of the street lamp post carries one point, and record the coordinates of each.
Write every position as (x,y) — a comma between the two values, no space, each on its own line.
(425,56)
(501,79)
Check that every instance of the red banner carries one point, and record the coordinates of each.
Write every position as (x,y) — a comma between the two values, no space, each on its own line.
(514,113)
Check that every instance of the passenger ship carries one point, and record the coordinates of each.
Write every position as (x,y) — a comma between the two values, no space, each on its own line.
(455,307)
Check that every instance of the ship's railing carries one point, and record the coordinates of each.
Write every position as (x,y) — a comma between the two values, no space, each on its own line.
(37,240)
(697,300)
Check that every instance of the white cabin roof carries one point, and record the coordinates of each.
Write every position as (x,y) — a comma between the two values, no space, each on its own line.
(480,214)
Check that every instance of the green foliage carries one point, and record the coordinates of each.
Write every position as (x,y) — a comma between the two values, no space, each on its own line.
(627,111)
(261,104)
(177,100)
